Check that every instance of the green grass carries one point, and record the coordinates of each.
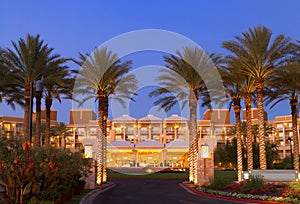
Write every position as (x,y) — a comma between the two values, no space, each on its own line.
(223,178)
(227,175)
(77,198)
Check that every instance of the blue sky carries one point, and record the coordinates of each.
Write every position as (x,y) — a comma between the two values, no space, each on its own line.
(80,26)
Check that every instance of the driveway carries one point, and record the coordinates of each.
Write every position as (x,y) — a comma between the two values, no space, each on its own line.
(152,192)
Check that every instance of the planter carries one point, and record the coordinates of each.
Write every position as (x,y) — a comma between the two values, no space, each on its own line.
(69,194)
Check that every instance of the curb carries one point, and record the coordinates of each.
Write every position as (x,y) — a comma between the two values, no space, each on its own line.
(89,198)
(193,191)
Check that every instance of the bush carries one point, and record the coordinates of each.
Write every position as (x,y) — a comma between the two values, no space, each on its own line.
(40,173)
(287,163)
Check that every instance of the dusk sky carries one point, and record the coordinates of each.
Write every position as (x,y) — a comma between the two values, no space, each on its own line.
(80,26)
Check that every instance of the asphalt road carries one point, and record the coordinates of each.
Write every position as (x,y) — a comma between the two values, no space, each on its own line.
(152,192)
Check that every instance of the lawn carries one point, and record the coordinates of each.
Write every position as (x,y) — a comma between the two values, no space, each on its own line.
(227,176)
(158,175)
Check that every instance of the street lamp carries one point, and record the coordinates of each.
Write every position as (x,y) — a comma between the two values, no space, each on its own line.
(291,148)
(39,87)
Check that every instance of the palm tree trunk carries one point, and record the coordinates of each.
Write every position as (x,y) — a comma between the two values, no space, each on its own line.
(48,104)
(294,104)
(193,158)
(249,137)
(261,129)
(102,122)
(237,111)
(26,112)
(38,97)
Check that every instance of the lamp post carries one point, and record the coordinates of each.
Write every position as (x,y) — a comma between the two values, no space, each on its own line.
(39,87)
(30,112)
(291,148)
(204,155)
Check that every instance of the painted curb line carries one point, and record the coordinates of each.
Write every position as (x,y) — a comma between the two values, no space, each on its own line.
(196,192)
(89,198)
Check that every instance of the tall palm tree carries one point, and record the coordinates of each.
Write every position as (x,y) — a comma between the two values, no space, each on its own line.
(259,58)
(233,82)
(238,87)
(27,63)
(248,90)
(286,86)
(181,82)
(101,77)
(57,84)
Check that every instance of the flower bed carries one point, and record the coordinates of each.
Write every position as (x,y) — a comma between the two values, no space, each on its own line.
(256,189)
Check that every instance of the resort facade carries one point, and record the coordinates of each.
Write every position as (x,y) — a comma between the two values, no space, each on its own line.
(150,140)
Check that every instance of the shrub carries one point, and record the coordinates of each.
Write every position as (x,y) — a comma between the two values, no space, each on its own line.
(40,173)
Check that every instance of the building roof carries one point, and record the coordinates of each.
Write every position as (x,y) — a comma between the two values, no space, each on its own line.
(124,118)
(176,118)
(119,143)
(178,143)
(149,143)
(150,118)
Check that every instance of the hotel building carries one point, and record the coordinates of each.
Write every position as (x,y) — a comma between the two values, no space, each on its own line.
(151,141)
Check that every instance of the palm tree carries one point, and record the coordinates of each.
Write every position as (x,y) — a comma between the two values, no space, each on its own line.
(259,58)
(248,90)
(285,86)
(56,84)
(232,82)
(61,131)
(101,77)
(181,82)
(27,63)
(238,87)
(9,91)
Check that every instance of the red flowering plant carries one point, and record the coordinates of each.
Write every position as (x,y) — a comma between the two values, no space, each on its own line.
(23,179)
(38,174)
(18,174)
(292,191)
(256,186)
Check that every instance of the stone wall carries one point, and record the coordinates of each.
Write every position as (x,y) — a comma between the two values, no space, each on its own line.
(91,179)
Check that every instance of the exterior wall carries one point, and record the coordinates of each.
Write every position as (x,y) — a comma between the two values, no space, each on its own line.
(281,133)
(254,115)
(81,116)
(11,126)
(217,116)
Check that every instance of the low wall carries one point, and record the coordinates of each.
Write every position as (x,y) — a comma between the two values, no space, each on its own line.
(273,175)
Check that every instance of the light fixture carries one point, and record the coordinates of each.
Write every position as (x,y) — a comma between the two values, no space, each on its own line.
(204,151)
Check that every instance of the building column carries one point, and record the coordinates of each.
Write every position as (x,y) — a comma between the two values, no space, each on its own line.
(165,135)
(134,156)
(139,133)
(14,126)
(164,156)
(149,133)
(175,133)
(284,141)
(160,133)
(123,130)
